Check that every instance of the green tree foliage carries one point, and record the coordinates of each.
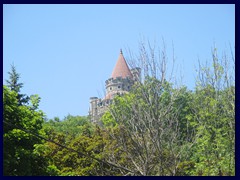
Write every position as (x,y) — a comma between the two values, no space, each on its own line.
(214,120)
(173,131)
(73,132)
(70,125)
(86,153)
(149,131)
(14,85)
(155,129)
(19,153)
(22,121)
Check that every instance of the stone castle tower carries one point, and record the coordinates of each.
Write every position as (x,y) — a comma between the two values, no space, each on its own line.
(120,82)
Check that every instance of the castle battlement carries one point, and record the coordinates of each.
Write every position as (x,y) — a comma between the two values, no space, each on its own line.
(118,79)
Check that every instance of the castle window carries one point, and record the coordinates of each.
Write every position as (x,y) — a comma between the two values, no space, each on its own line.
(118,87)
(110,88)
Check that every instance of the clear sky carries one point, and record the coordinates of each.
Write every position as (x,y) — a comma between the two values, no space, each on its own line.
(65,53)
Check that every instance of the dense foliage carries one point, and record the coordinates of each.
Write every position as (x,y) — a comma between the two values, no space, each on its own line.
(20,156)
(156,129)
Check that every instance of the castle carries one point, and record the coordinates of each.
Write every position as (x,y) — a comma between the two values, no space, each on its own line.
(120,82)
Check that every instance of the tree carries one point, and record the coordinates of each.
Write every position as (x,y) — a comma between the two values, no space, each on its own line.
(82,154)
(214,118)
(14,85)
(165,130)
(22,123)
(70,125)
(149,120)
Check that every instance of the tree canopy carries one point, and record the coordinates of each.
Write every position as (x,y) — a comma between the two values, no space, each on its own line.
(157,129)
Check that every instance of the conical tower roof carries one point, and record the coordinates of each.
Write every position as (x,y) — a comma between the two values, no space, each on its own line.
(121,68)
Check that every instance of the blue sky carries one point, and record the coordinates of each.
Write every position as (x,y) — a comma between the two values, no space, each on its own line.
(65,53)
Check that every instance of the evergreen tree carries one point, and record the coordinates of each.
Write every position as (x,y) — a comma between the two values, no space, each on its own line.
(22,121)
(14,85)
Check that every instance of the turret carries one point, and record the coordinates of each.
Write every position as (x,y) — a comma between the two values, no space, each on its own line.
(120,82)
(93,109)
